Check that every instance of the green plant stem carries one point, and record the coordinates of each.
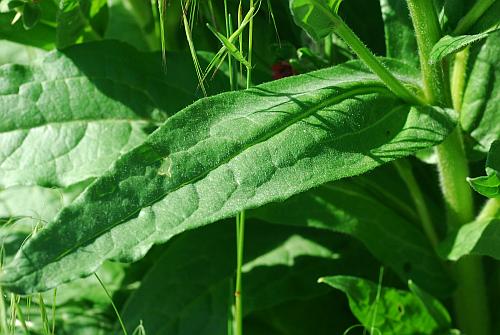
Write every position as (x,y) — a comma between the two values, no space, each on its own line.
(369,58)
(240,239)
(405,171)
(471,17)
(458,78)
(470,298)
(428,32)
(490,210)
(122,325)
(4,328)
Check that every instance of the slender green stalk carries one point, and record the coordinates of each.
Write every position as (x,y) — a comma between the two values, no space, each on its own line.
(240,239)
(490,210)
(470,298)
(122,325)
(22,319)
(4,328)
(54,300)
(250,47)
(405,171)
(369,58)
(458,78)
(471,17)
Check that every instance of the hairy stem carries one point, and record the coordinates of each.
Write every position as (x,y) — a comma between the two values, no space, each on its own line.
(458,78)
(490,210)
(369,58)
(470,299)
(406,173)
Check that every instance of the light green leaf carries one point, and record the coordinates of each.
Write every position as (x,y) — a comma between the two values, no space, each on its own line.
(433,306)
(311,16)
(196,270)
(400,38)
(449,45)
(368,209)
(481,102)
(227,153)
(393,312)
(67,117)
(489,185)
(480,237)
(80,20)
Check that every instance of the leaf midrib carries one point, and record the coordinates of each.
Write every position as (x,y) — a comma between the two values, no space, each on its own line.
(375,87)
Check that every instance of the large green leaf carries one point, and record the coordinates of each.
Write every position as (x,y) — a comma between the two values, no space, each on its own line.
(67,117)
(481,102)
(399,34)
(224,154)
(196,270)
(385,310)
(382,223)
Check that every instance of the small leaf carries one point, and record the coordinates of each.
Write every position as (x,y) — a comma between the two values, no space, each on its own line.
(31,15)
(312,16)
(394,312)
(489,185)
(449,45)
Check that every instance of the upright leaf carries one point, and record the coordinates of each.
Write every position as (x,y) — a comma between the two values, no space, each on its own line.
(481,101)
(385,310)
(399,34)
(224,154)
(311,16)
(68,116)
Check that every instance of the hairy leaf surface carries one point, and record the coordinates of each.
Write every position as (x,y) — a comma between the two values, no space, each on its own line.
(382,223)
(393,312)
(480,115)
(67,117)
(449,45)
(224,154)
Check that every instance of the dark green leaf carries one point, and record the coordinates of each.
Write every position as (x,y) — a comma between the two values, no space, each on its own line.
(383,224)
(399,34)
(224,154)
(449,45)
(489,185)
(196,270)
(311,16)
(31,15)
(393,312)
(85,112)
(481,102)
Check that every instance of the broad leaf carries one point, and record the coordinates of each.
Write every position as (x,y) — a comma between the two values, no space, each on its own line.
(385,310)
(489,185)
(399,34)
(480,237)
(224,154)
(481,101)
(196,270)
(80,20)
(67,117)
(311,16)
(380,221)
(449,45)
